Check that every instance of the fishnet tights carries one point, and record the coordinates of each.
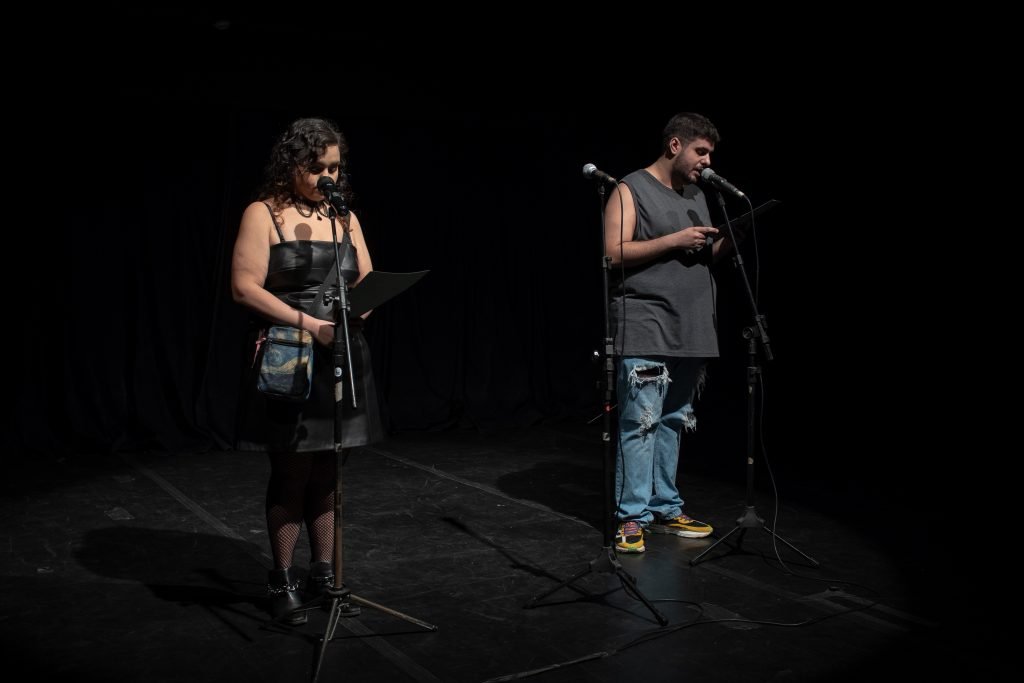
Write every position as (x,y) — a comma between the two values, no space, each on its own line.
(301,488)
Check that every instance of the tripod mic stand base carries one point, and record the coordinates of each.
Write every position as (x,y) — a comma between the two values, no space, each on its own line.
(336,610)
(751,520)
(392,612)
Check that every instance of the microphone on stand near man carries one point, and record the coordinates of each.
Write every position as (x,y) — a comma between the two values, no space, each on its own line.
(591,171)
(712,178)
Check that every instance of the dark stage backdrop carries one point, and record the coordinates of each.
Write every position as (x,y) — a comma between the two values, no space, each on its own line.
(470,170)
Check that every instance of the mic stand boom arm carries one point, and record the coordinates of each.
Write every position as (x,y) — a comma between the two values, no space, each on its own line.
(759,320)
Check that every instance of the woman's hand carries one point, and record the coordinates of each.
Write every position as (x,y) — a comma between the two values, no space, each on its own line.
(324,333)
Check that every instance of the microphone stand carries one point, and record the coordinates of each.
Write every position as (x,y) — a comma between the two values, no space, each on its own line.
(752,333)
(606,562)
(339,594)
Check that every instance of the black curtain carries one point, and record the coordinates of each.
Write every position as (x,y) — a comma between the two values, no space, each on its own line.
(472,171)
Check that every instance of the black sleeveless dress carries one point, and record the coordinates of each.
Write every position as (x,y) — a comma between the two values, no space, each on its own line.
(294,275)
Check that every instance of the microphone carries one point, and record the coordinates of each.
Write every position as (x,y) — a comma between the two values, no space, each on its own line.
(332,193)
(721,183)
(591,171)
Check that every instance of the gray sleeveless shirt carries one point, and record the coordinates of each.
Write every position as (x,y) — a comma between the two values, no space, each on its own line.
(666,307)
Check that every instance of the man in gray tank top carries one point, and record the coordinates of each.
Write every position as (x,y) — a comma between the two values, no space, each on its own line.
(662,312)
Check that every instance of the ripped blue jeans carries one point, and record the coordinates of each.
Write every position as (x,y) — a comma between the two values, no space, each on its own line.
(655,397)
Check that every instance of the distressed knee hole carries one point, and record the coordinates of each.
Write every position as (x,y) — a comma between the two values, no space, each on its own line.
(657,374)
(647,421)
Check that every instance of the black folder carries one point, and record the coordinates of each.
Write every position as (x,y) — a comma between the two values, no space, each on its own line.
(745,218)
(378,287)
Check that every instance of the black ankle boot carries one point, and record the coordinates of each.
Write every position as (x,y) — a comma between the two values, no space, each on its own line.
(283,596)
(320,579)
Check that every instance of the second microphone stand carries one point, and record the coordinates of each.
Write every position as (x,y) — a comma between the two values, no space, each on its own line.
(753,334)
(606,562)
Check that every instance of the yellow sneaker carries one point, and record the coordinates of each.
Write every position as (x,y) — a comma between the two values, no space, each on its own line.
(683,525)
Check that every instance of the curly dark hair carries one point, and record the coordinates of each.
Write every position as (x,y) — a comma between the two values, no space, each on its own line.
(299,148)
(688,126)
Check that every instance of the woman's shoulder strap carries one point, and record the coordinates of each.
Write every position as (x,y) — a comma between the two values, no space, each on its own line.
(273,218)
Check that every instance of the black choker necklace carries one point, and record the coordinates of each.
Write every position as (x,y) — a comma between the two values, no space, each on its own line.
(311,208)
